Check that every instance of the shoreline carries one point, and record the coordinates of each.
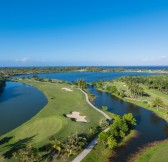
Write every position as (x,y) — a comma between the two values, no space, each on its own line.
(140,104)
(48,112)
(103,71)
(101,154)
(143,105)
(93,143)
(145,149)
(97,109)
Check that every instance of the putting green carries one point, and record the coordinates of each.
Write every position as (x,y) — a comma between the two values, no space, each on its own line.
(38,129)
(50,121)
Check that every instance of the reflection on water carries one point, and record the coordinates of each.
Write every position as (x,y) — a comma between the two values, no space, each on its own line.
(150,127)
(18,103)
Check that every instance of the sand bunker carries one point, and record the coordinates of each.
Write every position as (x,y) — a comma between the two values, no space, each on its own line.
(77,117)
(67,89)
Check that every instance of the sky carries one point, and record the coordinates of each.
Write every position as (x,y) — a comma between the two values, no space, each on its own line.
(83,32)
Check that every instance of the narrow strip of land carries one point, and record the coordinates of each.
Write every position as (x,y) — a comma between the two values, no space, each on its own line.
(86,151)
(87,100)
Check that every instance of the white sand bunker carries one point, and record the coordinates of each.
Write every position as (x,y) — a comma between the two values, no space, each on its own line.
(77,117)
(67,89)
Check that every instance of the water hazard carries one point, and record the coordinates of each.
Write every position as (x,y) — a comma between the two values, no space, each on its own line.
(18,103)
(150,127)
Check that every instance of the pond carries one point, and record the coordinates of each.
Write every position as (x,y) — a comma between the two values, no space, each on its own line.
(149,126)
(18,103)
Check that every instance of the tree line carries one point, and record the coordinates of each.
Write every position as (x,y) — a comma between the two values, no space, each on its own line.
(159,83)
(37,70)
(152,82)
(12,71)
(101,85)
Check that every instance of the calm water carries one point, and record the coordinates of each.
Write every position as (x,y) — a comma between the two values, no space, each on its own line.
(18,103)
(88,76)
(150,127)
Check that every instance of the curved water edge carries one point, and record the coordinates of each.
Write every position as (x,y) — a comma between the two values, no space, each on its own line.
(150,127)
(19,103)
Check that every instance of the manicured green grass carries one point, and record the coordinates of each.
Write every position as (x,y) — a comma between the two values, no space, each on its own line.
(157,153)
(50,121)
(140,101)
(99,154)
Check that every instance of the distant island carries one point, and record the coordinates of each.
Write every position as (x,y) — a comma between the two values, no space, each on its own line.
(11,71)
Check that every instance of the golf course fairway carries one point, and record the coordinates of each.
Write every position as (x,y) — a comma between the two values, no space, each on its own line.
(51,121)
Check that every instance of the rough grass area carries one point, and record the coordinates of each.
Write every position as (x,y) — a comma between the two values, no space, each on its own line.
(156,153)
(50,121)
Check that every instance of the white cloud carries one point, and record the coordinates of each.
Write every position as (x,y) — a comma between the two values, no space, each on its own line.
(159,59)
(23,60)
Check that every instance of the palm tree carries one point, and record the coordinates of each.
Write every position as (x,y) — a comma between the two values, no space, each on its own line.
(73,144)
(56,144)
(81,83)
(157,102)
(111,142)
(104,124)
(103,137)
(91,130)
(27,154)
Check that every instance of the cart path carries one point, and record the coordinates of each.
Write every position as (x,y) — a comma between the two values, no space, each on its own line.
(92,144)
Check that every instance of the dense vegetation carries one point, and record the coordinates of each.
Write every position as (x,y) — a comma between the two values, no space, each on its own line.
(82,84)
(152,82)
(37,70)
(159,83)
(70,146)
(107,69)
(118,134)
(120,127)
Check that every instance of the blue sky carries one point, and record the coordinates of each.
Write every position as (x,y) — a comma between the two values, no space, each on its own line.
(83,32)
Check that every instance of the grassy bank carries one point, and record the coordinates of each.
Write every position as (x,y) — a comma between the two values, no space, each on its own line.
(144,101)
(155,152)
(50,121)
(102,154)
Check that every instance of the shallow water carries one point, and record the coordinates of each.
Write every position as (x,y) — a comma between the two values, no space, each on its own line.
(18,103)
(150,127)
